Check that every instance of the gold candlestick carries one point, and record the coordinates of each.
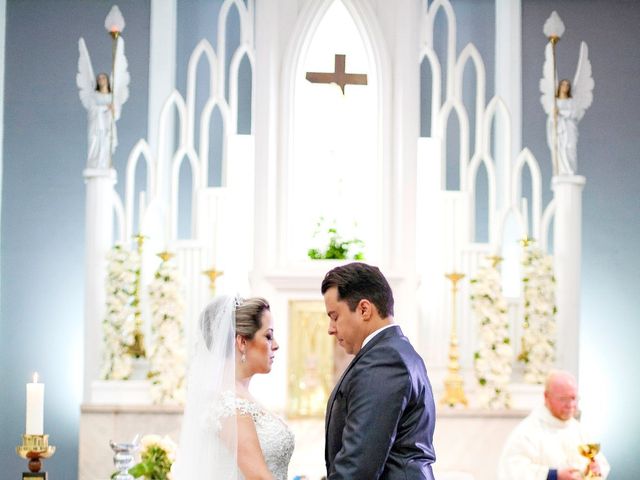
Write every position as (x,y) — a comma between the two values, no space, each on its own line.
(495,260)
(140,238)
(166,256)
(112,86)
(526,241)
(137,349)
(213,275)
(554,155)
(453,384)
(35,447)
(114,23)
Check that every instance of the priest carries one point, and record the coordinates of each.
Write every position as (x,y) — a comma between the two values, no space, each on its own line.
(544,446)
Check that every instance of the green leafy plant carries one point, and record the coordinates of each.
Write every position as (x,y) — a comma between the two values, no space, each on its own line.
(156,458)
(336,248)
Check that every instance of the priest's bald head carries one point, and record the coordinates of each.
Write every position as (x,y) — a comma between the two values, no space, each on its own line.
(561,394)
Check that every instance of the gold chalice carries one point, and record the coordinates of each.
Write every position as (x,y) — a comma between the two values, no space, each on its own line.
(589,451)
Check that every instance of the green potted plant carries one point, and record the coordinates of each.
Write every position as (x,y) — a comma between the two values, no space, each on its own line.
(156,458)
(336,247)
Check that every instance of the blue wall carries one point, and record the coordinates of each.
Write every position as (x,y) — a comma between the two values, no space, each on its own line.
(609,157)
(43,207)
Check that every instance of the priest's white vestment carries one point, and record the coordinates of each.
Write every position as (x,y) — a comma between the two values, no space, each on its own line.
(542,442)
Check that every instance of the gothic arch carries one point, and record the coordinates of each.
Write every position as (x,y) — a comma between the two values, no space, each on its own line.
(470,52)
(205,52)
(450,18)
(140,150)
(371,33)
(526,158)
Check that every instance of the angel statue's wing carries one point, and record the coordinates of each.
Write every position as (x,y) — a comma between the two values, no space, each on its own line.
(85,79)
(547,82)
(582,87)
(120,78)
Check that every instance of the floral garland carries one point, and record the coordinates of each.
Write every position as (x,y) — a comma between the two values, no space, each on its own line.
(123,267)
(167,355)
(494,354)
(539,328)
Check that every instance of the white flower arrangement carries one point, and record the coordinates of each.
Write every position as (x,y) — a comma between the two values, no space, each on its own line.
(494,355)
(165,443)
(167,355)
(123,266)
(539,327)
(157,457)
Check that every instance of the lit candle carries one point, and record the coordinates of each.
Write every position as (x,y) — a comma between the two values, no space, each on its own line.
(35,407)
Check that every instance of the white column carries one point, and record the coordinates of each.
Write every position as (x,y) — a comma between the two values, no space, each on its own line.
(567,247)
(400,22)
(241,181)
(430,259)
(274,22)
(268,25)
(508,84)
(98,240)
(162,78)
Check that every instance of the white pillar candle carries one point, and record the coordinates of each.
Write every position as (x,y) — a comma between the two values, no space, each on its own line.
(35,407)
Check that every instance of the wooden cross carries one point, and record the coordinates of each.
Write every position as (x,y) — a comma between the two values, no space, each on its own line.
(338,76)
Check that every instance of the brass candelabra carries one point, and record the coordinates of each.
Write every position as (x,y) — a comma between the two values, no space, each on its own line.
(166,256)
(137,348)
(213,274)
(453,383)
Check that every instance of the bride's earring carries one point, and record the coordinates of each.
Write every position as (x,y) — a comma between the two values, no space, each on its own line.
(243,358)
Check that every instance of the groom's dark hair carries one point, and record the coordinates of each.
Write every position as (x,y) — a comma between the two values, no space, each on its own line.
(356,281)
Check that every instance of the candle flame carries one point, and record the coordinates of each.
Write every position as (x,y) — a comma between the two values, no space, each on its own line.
(35,377)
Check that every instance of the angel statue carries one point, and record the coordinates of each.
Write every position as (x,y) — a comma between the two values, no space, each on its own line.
(565,106)
(103,97)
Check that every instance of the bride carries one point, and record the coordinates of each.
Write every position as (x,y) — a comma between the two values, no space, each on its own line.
(226,434)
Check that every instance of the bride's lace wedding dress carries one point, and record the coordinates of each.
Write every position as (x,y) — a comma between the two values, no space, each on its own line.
(276,439)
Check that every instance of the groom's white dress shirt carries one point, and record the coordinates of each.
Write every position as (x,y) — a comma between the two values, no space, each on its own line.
(373,334)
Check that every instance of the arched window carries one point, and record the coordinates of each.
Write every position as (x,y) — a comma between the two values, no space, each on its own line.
(335,169)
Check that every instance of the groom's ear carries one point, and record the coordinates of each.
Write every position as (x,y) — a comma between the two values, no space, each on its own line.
(365,309)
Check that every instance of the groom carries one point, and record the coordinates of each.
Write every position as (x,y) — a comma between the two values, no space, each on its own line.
(381,414)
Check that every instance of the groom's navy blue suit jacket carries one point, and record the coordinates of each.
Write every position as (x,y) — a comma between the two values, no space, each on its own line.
(381,415)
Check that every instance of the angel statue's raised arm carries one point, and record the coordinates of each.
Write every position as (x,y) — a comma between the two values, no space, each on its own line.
(103,103)
(571,102)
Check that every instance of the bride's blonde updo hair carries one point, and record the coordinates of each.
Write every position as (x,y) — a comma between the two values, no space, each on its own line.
(249,316)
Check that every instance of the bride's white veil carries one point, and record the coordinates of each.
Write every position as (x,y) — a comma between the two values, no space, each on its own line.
(208,449)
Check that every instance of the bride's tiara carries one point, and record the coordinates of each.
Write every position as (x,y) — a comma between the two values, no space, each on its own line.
(238,301)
